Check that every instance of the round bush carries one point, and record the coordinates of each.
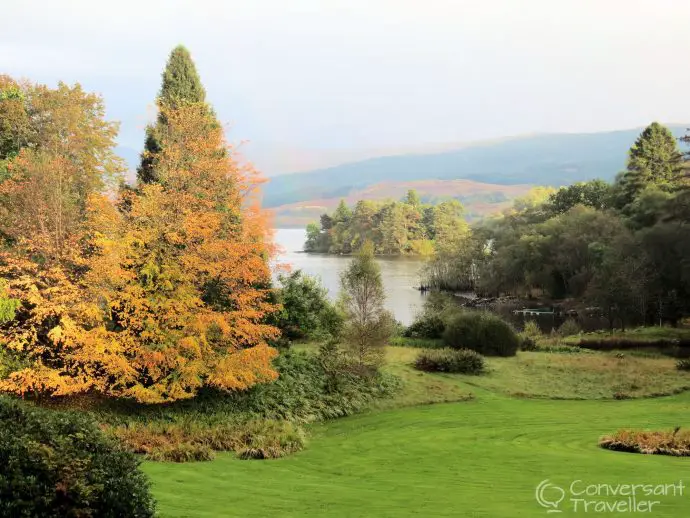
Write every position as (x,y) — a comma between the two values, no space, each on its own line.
(683,365)
(527,343)
(462,361)
(426,326)
(483,332)
(61,464)
(569,328)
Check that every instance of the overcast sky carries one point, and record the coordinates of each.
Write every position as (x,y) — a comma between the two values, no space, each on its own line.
(296,77)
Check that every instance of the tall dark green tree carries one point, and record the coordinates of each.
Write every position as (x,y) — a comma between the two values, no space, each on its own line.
(181,84)
(654,159)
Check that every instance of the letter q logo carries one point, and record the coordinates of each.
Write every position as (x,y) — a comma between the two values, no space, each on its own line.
(549,496)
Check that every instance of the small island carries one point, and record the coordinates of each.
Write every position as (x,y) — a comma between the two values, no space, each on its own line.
(395,228)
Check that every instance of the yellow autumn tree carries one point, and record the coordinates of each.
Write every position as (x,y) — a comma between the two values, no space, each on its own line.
(58,151)
(155,296)
(183,272)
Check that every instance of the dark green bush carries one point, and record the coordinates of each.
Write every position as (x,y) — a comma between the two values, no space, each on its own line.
(426,326)
(314,387)
(310,387)
(527,343)
(683,365)
(483,332)
(261,421)
(306,310)
(58,464)
(462,361)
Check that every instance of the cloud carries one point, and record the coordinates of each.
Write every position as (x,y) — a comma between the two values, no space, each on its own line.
(354,74)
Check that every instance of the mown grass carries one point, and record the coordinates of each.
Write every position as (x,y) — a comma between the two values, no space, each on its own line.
(482,458)
(419,388)
(482,455)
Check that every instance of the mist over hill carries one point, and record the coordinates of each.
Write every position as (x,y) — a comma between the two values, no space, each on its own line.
(550,159)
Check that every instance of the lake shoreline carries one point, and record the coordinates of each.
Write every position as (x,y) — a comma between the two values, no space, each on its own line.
(400,273)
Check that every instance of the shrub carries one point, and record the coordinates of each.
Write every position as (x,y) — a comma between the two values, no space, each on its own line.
(183,452)
(270,440)
(315,387)
(532,329)
(527,343)
(569,328)
(529,336)
(188,441)
(683,365)
(8,306)
(310,387)
(676,442)
(306,310)
(60,464)
(426,326)
(483,332)
(462,361)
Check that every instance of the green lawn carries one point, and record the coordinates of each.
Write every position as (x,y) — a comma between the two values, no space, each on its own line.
(586,375)
(482,457)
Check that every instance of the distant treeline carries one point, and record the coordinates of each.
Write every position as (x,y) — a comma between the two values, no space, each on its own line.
(622,246)
(406,227)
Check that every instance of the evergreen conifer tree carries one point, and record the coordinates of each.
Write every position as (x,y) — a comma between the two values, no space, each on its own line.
(654,159)
(181,85)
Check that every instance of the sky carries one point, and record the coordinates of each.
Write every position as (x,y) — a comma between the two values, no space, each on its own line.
(308,83)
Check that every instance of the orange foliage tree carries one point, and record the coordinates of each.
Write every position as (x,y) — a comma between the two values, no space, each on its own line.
(183,272)
(60,153)
(153,297)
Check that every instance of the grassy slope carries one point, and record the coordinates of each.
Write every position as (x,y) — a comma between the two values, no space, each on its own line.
(482,457)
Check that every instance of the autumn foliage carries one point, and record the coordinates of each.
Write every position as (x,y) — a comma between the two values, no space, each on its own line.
(149,297)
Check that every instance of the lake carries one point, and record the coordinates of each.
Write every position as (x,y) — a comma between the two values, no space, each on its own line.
(400,274)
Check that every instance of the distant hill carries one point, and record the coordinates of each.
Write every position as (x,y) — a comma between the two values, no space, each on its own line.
(550,159)
(479,199)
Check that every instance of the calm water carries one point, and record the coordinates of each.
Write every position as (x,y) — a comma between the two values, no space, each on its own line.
(400,275)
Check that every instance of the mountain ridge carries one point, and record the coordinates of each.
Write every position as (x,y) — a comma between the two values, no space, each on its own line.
(479,199)
(555,159)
